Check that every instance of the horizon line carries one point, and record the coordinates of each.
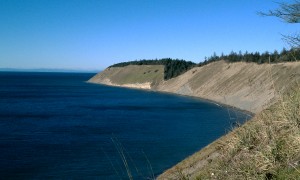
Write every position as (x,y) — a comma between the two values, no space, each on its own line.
(63,70)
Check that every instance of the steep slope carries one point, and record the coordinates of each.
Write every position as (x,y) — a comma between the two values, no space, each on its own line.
(247,86)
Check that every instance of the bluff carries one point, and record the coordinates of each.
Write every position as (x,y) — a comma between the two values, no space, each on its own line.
(247,86)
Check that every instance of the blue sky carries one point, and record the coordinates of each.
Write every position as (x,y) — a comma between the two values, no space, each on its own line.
(93,34)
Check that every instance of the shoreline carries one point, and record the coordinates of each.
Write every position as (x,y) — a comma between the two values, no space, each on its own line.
(206,149)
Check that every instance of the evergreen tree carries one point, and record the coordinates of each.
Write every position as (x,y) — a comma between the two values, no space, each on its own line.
(288,12)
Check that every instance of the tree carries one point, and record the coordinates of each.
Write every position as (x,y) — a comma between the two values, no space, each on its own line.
(290,13)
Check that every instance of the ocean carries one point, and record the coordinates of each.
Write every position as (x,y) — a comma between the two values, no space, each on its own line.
(55,125)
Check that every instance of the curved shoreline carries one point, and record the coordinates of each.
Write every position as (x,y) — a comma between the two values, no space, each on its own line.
(207,152)
(247,87)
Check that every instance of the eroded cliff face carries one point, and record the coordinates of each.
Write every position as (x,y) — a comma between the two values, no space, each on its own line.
(247,86)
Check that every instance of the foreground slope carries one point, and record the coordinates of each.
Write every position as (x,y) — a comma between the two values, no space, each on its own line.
(266,147)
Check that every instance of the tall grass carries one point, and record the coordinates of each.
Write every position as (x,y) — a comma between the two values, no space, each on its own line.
(266,147)
(132,170)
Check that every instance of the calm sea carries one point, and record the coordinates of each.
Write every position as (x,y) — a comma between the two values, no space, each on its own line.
(54,125)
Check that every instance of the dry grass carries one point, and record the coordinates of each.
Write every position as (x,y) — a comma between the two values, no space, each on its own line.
(267,147)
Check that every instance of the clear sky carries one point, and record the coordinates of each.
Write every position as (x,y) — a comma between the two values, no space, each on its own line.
(93,34)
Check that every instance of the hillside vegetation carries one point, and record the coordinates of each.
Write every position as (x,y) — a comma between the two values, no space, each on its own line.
(267,57)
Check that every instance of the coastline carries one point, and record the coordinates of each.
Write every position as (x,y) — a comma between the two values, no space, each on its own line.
(201,156)
(246,87)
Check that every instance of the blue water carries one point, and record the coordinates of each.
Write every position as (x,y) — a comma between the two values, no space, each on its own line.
(54,125)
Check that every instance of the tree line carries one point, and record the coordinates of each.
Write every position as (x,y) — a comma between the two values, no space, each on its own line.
(289,12)
(176,67)
(266,57)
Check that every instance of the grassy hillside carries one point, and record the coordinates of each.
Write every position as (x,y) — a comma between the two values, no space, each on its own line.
(131,74)
(266,147)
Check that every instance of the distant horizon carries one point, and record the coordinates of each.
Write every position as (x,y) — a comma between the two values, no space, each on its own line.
(58,70)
